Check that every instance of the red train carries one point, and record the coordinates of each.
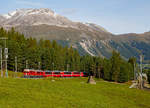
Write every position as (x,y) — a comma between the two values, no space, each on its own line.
(30,73)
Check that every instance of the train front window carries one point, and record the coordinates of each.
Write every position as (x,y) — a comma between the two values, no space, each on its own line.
(67,73)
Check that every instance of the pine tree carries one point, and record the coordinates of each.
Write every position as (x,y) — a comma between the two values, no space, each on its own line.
(132,62)
(107,70)
(123,75)
(115,69)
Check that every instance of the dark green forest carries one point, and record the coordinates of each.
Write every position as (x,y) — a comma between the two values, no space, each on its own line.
(49,55)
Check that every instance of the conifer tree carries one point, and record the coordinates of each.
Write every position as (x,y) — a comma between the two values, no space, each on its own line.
(115,69)
(107,70)
(132,62)
(123,75)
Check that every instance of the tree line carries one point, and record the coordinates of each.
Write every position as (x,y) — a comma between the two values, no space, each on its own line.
(49,55)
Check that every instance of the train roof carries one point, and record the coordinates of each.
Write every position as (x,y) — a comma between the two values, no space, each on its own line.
(27,70)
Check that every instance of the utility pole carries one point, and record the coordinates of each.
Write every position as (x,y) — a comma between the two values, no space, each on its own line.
(6,57)
(39,65)
(84,67)
(26,64)
(53,66)
(1,56)
(16,64)
(67,67)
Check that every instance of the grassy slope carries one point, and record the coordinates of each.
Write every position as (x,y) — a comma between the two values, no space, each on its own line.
(69,93)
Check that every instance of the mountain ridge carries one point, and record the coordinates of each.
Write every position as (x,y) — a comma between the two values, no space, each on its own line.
(41,16)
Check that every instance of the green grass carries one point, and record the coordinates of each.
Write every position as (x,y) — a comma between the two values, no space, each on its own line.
(12,74)
(69,93)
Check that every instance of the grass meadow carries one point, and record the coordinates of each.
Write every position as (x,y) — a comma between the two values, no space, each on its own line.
(69,93)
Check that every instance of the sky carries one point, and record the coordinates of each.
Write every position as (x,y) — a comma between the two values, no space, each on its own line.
(116,16)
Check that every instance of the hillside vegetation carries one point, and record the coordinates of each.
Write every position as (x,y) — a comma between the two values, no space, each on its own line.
(49,55)
(69,93)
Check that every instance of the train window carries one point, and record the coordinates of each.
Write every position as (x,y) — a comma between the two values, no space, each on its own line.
(85,73)
(56,72)
(47,72)
(67,73)
(76,72)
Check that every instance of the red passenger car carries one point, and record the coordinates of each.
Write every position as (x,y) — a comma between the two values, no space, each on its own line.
(30,73)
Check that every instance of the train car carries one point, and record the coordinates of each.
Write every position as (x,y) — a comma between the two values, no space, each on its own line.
(31,73)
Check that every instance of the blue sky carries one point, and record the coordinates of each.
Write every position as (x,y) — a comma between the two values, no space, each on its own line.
(117,16)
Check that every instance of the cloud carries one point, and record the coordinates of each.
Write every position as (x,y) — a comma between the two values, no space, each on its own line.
(29,3)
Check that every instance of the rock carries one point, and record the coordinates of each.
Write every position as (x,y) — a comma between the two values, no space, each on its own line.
(53,80)
(91,80)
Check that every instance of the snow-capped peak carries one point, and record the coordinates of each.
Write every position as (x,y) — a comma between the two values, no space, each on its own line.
(39,11)
(34,17)
(29,12)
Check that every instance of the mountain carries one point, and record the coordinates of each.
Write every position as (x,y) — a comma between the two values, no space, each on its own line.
(29,17)
(96,27)
(2,19)
(88,38)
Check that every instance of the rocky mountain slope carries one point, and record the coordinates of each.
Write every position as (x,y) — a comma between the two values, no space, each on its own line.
(88,38)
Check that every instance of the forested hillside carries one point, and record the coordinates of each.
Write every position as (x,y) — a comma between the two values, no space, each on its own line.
(49,55)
